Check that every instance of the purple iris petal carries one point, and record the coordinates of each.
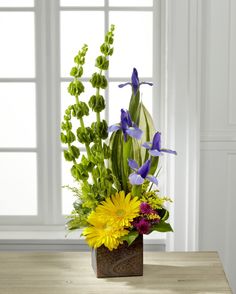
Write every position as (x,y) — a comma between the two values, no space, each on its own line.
(156,142)
(133,164)
(127,126)
(126,118)
(147,145)
(123,85)
(123,120)
(136,179)
(141,174)
(135,81)
(155,152)
(155,149)
(144,169)
(146,83)
(152,179)
(114,128)
(134,132)
(169,151)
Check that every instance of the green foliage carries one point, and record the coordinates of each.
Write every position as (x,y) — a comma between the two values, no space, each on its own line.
(100,128)
(98,81)
(79,172)
(155,201)
(162,227)
(102,62)
(130,237)
(75,88)
(95,181)
(75,152)
(121,151)
(85,135)
(79,110)
(97,103)
(68,156)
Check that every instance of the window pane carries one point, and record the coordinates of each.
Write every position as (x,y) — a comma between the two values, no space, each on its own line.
(82,2)
(18,188)
(16,3)
(17,44)
(131,3)
(79,28)
(119,98)
(17,114)
(133,43)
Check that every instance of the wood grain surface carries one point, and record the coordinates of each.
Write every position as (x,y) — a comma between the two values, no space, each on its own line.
(71,273)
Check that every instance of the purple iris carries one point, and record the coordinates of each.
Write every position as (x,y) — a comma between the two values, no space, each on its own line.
(155,146)
(141,173)
(135,82)
(127,126)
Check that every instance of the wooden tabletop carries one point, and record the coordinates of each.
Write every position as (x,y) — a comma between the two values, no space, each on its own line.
(71,273)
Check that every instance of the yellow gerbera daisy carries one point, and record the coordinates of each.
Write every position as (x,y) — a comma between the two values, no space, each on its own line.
(119,209)
(103,233)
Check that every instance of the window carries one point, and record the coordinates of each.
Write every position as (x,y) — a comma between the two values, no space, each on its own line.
(34,75)
(18,140)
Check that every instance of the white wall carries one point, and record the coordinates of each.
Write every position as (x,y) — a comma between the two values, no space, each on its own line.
(217,203)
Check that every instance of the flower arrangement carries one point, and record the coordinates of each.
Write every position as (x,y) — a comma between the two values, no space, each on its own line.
(115,198)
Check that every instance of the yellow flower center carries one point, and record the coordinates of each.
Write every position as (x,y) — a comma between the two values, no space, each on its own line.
(120,212)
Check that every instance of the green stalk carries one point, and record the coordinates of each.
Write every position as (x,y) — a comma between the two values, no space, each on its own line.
(136,190)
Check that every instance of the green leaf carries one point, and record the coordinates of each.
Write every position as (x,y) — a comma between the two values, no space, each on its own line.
(147,125)
(162,227)
(164,214)
(130,237)
(68,156)
(75,151)
(134,107)
(115,163)
(63,138)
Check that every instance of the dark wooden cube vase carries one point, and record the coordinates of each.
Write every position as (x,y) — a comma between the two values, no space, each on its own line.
(124,261)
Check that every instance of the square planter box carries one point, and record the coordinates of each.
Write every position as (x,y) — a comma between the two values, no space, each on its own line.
(124,261)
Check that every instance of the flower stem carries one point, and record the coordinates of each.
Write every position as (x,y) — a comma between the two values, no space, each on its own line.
(136,190)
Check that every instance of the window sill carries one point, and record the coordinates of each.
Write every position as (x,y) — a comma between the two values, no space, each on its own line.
(48,240)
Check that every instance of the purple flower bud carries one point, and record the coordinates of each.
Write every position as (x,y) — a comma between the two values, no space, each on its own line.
(143,226)
(135,82)
(146,208)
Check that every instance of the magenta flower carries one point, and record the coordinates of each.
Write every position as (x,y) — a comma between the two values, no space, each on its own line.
(143,226)
(146,208)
